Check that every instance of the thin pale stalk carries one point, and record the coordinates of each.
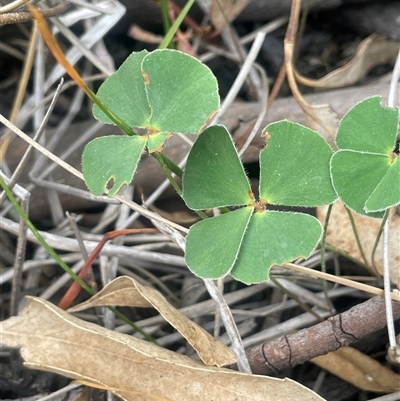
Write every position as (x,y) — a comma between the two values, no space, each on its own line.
(244,72)
(19,260)
(25,157)
(323,261)
(387,287)
(341,280)
(378,237)
(355,232)
(230,326)
(22,84)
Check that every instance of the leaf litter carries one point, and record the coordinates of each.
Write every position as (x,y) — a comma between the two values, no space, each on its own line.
(53,340)
(126,291)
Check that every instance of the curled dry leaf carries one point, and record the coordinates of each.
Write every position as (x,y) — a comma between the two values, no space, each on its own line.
(372,51)
(125,291)
(53,340)
(340,235)
(360,370)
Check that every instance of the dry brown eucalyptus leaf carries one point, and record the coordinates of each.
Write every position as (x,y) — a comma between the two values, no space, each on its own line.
(372,51)
(340,235)
(53,340)
(231,9)
(125,291)
(359,369)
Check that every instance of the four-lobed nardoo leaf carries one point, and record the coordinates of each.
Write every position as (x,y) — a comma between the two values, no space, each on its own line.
(157,94)
(212,245)
(111,160)
(214,175)
(294,166)
(365,172)
(294,171)
(274,238)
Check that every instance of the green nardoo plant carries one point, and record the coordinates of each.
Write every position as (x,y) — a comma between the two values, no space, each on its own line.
(366,169)
(246,242)
(157,94)
(164,92)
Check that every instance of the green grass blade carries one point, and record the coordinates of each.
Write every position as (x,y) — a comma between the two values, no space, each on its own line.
(168,37)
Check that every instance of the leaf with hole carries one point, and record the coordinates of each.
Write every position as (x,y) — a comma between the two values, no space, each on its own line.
(365,171)
(111,159)
(156,94)
(247,241)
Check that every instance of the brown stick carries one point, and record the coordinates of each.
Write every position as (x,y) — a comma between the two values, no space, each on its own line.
(338,331)
(24,16)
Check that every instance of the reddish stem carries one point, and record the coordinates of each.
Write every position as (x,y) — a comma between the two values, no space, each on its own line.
(75,288)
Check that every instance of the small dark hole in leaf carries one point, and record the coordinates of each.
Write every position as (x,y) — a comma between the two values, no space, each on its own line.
(110,183)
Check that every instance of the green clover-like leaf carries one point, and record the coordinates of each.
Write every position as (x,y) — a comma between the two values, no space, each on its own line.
(356,175)
(274,238)
(212,245)
(111,158)
(295,166)
(365,172)
(380,196)
(214,175)
(248,241)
